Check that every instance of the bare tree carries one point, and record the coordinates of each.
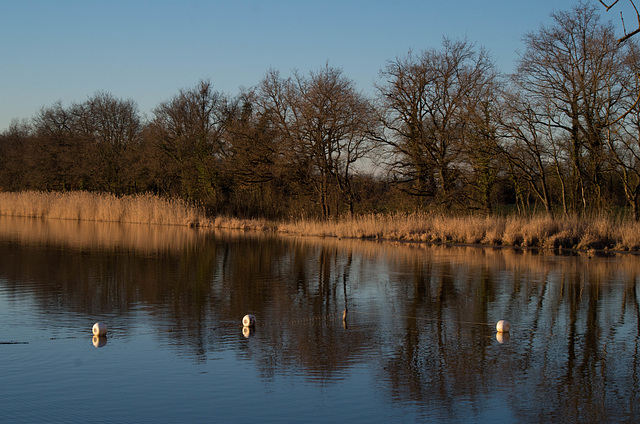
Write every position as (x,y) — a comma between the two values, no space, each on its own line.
(252,142)
(623,133)
(625,37)
(481,142)
(256,161)
(569,76)
(15,148)
(188,128)
(525,147)
(59,152)
(112,127)
(428,102)
(326,124)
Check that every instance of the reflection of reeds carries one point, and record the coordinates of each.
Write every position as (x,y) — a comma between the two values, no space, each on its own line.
(98,235)
(78,234)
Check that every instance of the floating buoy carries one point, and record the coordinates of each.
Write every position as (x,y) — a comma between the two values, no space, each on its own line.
(99,329)
(99,341)
(503,326)
(248,320)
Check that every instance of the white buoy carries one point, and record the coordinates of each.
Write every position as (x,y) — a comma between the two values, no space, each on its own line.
(99,329)
(248,320)
(99,341)
(503,326)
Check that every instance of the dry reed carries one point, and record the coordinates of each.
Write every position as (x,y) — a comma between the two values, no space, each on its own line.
(544,232)
(539,231)
(86,206)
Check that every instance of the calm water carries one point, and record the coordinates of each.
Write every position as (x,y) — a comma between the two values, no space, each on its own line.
(418,345)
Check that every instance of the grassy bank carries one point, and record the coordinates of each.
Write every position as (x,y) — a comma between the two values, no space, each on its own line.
(541,231)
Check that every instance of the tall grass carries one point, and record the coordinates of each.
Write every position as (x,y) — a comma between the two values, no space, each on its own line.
(136,209)
(86,206)
(539,231)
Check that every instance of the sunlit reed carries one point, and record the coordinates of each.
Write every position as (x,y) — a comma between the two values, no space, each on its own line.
(86,206)
(540,231)
(543,231)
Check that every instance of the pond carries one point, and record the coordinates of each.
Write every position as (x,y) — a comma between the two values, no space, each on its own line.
(418,344)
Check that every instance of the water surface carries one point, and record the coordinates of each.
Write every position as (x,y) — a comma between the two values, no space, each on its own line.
(418,345)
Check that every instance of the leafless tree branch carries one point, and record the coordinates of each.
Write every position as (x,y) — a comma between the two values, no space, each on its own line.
(619,118)
(626,35)
(608,7)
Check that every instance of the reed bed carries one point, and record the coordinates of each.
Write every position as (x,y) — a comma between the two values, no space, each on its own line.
(86,206)
(231,223)
(599,233)
(103,207)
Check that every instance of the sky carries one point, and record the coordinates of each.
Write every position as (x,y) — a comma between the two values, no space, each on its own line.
(147,51)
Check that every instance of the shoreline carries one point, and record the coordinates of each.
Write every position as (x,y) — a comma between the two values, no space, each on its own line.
(596,234)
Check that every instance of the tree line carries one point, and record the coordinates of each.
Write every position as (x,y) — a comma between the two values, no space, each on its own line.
(444,130)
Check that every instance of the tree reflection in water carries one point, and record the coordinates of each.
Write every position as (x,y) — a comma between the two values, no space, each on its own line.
(420,318)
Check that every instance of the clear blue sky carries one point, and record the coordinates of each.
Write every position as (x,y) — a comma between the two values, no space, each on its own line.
(148,50)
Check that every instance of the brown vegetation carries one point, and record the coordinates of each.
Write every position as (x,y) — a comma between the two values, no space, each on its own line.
(543,231)
(85,206)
